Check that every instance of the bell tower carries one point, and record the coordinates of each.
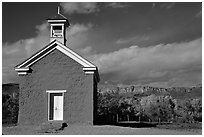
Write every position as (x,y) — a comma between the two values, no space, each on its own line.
(58,25)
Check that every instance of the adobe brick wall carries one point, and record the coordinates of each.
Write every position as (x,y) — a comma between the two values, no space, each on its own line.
(56,71)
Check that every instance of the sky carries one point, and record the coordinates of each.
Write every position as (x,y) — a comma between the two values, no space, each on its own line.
(156,44)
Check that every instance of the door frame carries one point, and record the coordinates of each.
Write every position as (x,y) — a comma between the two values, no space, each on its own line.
(55,91)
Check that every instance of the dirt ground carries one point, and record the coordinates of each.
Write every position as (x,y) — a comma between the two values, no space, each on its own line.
(95,130)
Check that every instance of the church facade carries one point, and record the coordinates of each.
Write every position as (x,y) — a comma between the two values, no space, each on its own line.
(57,84)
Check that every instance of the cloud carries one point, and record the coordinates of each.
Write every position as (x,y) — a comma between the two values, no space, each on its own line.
(168,5)
(133,39)
(79,7)
(116,5)
(160,63)
(25,48)
(88,7)
(77,28)
(77,36)
(15,53)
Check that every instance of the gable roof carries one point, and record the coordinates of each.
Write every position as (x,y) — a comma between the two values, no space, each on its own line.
(49,48)
(88,67)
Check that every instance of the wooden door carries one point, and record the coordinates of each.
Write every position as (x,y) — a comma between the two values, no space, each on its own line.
(58,108)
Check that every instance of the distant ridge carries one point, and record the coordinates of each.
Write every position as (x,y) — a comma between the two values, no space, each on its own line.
(175,92)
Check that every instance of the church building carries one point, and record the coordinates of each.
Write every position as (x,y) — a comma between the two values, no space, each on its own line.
(57,84)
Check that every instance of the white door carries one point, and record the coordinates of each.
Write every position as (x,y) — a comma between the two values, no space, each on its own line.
(58,108)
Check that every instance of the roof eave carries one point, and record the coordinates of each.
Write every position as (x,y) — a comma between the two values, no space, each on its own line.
(87,66)
(65,21)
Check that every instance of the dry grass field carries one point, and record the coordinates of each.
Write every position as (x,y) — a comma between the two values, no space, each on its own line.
(96,130)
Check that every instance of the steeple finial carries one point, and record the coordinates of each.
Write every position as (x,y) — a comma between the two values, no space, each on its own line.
(58,10)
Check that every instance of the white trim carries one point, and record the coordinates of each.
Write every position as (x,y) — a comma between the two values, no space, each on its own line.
(89,69)
(63,106)
(56,20)
(56,91)
(57,24)
(22,69)
(40,57)
(48,107)
(51,28)
(35,55)
(63,33)
(89,72)
(74,56)
(22,73)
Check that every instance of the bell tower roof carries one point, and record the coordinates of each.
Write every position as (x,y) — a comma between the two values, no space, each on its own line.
(59,18)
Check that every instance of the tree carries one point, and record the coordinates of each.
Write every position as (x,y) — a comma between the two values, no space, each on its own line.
(13,107)
(189,110)
(157,108)
(9,109)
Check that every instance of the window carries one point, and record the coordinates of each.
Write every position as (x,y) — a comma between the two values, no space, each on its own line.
(57,31)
